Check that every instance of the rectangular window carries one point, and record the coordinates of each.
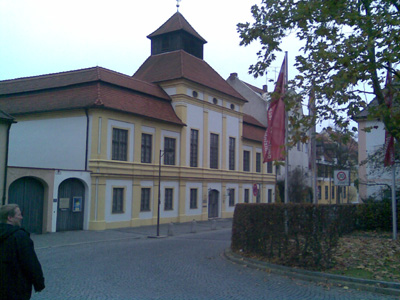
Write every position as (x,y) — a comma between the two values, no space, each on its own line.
(214,151)
(333,192)
(193,198)
(246,195)
(326,193)
(194,147)
(232,147)
(246,161)
(168,199)
(145,200)
(319,192)
(169,151)
(269,167)
(118,201)
(258,162)
(120,144)
(269,195)
(146,148)
(231,197)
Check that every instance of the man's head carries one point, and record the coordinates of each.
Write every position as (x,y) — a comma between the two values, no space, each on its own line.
(10,214)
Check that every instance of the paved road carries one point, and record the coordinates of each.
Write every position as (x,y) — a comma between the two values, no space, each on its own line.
(126,264)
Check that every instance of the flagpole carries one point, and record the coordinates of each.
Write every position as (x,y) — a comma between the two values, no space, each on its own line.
(286,139)
(394,207)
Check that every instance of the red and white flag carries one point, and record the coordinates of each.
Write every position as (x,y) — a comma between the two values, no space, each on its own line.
(274,137)
(389,140)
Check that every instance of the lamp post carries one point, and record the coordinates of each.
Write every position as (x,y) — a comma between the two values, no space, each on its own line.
(162,152)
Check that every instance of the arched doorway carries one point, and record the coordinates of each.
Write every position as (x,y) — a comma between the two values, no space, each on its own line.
(213,197)
(28,193)
(71,205)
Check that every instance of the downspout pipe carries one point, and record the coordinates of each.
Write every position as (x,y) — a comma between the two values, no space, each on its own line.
(87,138)
(6,163)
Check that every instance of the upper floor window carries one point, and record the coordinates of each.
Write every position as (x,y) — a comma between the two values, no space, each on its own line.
(214,151)
(194,147)
(246,161)
(118,201)
(232,147)
(258,162)
(146,148)
(269,167)
(169,151)
(120,144)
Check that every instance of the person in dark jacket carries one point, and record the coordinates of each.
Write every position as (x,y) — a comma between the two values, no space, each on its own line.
(19,265)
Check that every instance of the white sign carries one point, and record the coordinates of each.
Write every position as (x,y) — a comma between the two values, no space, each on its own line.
(342,177)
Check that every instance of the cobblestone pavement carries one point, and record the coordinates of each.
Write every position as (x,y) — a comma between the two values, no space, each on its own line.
(126,264)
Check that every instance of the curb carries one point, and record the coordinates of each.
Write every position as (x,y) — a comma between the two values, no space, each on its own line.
(382,287)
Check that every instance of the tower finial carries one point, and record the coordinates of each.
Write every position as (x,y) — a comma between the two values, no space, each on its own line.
(177,5)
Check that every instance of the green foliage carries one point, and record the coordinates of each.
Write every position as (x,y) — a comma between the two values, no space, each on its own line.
(348,46)
(376,215)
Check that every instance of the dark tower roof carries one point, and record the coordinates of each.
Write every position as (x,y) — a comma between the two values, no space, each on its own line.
(176,34)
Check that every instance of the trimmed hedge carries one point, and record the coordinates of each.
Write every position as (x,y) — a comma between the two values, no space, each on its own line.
(300,235)
(303,235)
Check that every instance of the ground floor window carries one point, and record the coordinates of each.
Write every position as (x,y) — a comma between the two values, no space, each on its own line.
(231,197)
(193,198)
(168,199)
(246,195)
(118,201)
(145,200)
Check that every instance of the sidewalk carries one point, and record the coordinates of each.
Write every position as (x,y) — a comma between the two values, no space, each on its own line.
(65,238)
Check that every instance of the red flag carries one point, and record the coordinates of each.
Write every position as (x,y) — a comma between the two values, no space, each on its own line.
(389,140)
(274,137)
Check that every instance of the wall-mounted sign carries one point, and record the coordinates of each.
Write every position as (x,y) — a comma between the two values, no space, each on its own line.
(342,177)
(77,204)
(63,203)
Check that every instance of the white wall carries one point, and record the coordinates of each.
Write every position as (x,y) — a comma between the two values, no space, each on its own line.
(50,143)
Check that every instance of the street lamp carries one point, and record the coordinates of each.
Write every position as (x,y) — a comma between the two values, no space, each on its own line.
(162,152)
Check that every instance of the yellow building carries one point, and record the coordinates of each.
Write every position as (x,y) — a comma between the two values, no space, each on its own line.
(96,149)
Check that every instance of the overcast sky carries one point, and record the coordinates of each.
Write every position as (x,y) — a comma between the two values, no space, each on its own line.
(49,36)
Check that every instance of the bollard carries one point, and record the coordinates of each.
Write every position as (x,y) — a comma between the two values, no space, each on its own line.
(193,227)
(170,229)
(214,225)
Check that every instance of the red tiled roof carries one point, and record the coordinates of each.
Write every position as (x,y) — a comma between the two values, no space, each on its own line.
(253,121)
(111,90)
(254,88)
(180,64)
(175,23)
(252,129)
(64,79)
